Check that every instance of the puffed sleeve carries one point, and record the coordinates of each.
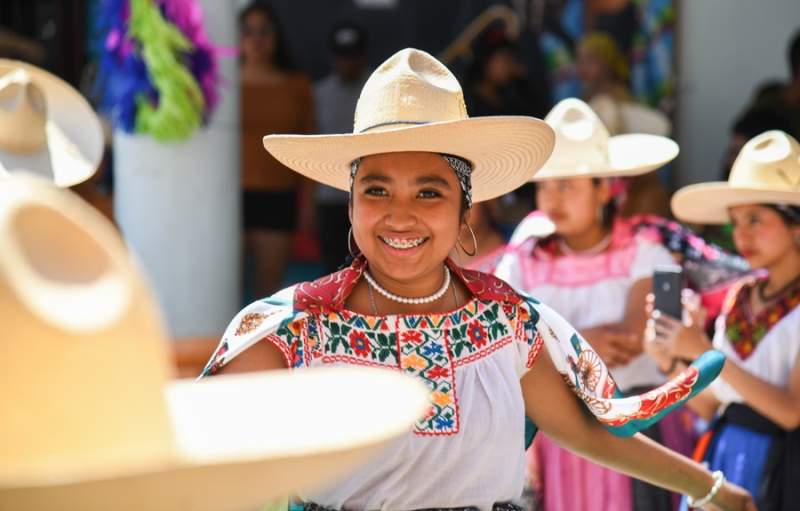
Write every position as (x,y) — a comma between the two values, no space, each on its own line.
(271,320)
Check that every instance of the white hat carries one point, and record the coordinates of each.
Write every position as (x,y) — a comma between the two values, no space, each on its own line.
(412,102)
(46,126)
(584,147)
(766,171)
(90,420)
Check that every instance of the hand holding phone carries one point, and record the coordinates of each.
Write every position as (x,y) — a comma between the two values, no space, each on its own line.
(668,285)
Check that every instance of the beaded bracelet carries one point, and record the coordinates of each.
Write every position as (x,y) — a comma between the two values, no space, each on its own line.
(719,480)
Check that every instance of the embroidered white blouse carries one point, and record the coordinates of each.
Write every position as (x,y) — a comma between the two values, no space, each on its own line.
(773,358)
(469,449)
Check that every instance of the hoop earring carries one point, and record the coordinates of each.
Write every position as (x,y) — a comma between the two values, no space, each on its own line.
(349,244)
(474,242)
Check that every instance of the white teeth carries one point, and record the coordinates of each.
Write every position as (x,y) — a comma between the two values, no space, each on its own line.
(403,244)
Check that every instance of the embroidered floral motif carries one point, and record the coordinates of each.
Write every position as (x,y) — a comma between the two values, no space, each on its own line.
(431,362)
(249,323)
(291,340)
(477,334)
(359,343)
(743,329)
(589,369)
(427,347)
(316,329)
(659,399)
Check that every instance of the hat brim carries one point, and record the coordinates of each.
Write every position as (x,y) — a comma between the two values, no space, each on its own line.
(628,155)
(505,151)
(74,136)
(709,203)
(246,439)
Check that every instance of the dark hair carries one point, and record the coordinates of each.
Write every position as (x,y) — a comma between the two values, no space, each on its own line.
(794,55)
(610,208)
(357,46)
(492,41)
(789,214)
(756,122)
(282,59)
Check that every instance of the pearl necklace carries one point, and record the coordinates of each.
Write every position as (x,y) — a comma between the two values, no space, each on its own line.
(408,300)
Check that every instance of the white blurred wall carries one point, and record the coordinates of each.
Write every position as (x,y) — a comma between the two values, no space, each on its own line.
(725,49)
(178,204)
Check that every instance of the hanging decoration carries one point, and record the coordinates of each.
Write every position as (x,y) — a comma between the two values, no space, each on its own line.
(157,69)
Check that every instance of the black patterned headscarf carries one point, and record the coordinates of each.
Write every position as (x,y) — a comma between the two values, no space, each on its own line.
(790,213)
(460,166)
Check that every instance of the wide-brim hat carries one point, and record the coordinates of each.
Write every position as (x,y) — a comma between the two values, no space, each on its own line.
(91,419)
(766,171)
(584,147)
(412,102)
(46,126)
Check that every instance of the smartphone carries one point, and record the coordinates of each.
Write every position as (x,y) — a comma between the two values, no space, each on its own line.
(667,287)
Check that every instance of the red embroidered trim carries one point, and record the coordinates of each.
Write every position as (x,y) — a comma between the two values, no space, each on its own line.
(327,359)
(534,350)
(284,349)
(483,353)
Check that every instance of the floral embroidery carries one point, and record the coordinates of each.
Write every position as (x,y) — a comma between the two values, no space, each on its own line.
(660,398)
(439,372)
(250,322)
(589,369)
(427,347)
(744,330)
(290,339)
(413,336)
(359,343)
(477,334)
(315,329)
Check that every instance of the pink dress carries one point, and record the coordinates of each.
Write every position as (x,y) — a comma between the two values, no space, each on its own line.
(588,291)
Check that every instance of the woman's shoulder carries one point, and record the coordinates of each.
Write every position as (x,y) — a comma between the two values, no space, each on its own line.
(328,292)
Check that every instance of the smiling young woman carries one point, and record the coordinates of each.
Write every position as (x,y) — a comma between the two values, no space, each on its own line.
(414,165)
(755,437)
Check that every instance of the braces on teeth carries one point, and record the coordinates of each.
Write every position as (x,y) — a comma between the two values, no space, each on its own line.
(403,243)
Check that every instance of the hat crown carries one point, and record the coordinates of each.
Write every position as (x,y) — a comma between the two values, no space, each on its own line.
(411,87)
(23,113)
(87,362)
(581,137)
(769,161)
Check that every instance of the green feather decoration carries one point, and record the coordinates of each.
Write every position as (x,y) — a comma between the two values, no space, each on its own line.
(179,111)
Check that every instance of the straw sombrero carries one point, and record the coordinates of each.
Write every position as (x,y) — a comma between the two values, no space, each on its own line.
(89,418)
(412,102)
(766,171)
(46,126)
(630,117)
(584,147)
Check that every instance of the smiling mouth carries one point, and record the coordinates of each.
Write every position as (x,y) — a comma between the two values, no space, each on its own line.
(403,243)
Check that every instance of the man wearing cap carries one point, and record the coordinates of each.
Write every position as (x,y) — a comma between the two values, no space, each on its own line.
(335,97)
